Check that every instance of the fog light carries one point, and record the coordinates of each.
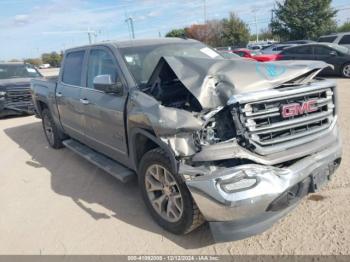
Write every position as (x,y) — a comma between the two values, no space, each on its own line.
(239,182)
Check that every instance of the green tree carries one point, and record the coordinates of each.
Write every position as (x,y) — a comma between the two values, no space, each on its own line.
(235,31)
(53,58)
(300,19)
(344,27)
(181,32)
(33,61)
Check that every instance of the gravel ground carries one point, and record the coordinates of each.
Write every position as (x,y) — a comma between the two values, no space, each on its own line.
(54,202)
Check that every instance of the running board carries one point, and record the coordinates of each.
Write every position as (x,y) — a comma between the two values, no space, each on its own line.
(105,163)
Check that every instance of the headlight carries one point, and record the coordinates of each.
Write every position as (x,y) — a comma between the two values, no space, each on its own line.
(2,93)
(238,182)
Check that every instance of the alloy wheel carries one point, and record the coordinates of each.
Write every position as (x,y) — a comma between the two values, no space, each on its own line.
(163,193)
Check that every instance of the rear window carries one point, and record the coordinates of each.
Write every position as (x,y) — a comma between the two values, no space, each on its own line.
(327,39)
(72,68)
(345,40)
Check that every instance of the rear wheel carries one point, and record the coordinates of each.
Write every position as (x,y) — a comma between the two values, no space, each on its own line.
(50,129)
(346,70)
(166,195)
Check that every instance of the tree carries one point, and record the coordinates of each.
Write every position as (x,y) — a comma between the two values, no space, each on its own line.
(235,32)
(33,61)
(176,33)
(53,58)
(344,27)
(198,32)
(300,19)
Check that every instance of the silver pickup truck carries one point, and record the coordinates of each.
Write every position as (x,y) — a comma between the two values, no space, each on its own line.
(232,142)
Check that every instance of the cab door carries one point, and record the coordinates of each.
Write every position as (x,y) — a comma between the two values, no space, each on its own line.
(68,94)
(104,112)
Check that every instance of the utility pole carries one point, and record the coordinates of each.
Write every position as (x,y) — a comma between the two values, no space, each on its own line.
(130,21)
(256,24)
(205,11)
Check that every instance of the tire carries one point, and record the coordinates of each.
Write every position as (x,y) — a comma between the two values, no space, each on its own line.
(52,134)
(178,222)
(345,70)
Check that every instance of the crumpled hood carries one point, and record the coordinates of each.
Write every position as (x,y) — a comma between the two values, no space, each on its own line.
(214,81)
(14,83)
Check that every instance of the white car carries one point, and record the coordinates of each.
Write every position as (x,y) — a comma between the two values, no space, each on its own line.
(44,66)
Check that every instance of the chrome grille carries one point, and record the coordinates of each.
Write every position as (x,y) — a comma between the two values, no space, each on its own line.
(267,129)
(20,97)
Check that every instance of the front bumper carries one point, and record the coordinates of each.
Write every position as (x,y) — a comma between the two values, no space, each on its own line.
(6,110)
(237,215)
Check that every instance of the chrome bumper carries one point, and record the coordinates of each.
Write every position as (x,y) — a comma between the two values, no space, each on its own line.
(246,212)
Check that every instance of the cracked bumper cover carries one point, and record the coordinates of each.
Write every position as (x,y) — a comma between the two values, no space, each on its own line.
(237,215)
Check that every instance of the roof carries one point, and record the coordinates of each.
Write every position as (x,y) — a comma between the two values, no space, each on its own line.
(336,34)
(140,42)
(12,63)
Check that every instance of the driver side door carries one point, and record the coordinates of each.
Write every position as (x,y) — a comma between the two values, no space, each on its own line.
(104,112)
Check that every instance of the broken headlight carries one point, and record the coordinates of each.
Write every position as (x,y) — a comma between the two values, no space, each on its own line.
(218,127)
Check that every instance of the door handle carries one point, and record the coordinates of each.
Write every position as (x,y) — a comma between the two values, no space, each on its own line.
(58,94)
(84,101)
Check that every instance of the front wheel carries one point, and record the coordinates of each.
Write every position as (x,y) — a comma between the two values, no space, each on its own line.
(166,195)
(50,129)
(346,70)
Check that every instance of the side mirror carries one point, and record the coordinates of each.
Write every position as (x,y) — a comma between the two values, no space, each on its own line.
(333,53)
(104,83)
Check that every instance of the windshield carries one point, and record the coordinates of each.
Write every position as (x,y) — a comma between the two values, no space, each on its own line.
(142,60)
(17,71)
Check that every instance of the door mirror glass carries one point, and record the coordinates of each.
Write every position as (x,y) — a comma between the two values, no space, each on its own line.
(104,83)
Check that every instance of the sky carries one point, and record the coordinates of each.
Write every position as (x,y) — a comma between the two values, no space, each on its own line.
(29,28)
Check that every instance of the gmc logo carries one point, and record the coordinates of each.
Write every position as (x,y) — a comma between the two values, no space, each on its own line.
(296,109)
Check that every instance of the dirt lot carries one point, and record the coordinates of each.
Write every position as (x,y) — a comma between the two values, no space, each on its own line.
(54,202)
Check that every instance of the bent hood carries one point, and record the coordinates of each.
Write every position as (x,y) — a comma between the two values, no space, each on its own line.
(214,81)
(6,84)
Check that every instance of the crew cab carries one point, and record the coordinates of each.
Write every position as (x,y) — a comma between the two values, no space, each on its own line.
(233,142)
(15,96)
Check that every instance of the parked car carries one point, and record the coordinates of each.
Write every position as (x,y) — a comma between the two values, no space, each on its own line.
(44,66)
(207,138)
(297,42)
(275,49)
(15,96)
(339,38)
(336,55)
(246,53)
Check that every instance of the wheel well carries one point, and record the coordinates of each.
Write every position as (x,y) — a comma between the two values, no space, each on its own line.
(142,144)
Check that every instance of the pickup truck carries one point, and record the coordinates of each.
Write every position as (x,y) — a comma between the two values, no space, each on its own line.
(233,142)
(15,96)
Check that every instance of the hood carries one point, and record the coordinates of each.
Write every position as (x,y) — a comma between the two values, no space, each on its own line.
(14,83)
(214,81)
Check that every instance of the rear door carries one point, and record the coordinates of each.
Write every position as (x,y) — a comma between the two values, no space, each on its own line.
(68,94)
(104,113)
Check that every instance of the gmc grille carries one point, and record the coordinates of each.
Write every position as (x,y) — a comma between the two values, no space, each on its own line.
(18,98)
(267,129)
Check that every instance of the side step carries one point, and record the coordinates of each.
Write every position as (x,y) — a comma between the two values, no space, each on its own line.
(105,163)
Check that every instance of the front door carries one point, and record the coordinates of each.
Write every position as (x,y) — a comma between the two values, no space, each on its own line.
(104,113)
(68,95)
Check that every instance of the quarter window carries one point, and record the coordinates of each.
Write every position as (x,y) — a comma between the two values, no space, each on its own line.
(321,50)
(72,68)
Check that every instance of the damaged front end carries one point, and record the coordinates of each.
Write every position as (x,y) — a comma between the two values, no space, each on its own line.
(245,163)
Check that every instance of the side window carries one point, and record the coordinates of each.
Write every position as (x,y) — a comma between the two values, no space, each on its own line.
(303,50)
(72,68)
(321,50)
(345,40)
(100,63)
(327,39)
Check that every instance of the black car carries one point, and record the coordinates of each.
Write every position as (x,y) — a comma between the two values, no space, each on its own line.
(338,56)
(15,95)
